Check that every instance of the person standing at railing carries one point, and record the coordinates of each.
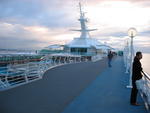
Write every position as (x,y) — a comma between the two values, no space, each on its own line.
(136,75)
(110,56)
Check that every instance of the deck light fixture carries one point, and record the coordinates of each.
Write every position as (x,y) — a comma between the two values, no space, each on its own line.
(132,32)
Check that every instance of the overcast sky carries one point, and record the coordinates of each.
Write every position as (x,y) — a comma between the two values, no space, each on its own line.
(35,24)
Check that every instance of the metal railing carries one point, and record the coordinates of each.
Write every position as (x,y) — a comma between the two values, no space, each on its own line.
(98,57)
(14,75)
(19,74)
(143,86)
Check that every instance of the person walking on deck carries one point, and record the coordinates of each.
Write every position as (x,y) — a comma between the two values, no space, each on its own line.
(136,75)
(110,56)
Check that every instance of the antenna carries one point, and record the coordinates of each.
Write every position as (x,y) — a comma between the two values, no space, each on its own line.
(84,29)
(80,6)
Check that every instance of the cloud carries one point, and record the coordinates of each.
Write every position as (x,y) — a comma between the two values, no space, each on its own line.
(31,37)
(16,36)
(145,33)
(17,43)
(36,12)
(142,43)
(38,23)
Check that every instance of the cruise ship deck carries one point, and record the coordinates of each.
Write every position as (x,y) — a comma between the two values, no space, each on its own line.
(88,87)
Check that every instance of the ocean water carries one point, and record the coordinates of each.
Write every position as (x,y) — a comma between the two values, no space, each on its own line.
(16,52)
(146,62)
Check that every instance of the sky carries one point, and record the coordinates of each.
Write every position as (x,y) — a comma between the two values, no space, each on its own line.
(35,24)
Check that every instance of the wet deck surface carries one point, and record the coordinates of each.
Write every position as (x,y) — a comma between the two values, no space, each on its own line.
(52,94)
(107,94)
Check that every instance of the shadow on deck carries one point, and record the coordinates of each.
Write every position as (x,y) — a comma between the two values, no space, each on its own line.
(74,88)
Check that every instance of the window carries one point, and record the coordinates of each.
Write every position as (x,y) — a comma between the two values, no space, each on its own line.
(79,50)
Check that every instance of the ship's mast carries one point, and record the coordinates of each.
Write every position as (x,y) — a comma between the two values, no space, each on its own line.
(84,30)
(80,9)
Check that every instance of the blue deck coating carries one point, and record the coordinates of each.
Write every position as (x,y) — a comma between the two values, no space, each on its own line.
(56,90)
(107,94)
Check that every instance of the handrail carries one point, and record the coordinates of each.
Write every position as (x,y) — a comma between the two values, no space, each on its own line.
(144,87)
(146,75)
(20,74)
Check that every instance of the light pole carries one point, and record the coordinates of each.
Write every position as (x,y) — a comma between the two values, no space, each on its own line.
(126,54)
(131,33)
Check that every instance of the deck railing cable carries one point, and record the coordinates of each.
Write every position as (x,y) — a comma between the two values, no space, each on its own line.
(144,88)
(20,74)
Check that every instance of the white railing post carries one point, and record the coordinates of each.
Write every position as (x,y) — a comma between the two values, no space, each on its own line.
(39,70)
(27,72)
(55,58)
(59,62)
(2,84)
(64,60)
(6,81)
(7,73)
(80,59)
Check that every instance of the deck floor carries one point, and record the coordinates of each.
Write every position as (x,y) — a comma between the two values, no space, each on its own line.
(54,92)
(107,94)
(89,87)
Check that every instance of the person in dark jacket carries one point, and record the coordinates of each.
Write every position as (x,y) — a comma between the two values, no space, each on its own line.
(110,56)
(136,75)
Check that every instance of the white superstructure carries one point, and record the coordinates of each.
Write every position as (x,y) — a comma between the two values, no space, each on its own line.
(85,44)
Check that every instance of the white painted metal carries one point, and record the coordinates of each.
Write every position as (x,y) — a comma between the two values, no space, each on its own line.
(144,87)
(19,74)
(132,33)
(85,41)
(144,84)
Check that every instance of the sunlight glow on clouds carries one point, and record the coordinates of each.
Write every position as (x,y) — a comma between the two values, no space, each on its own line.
(119,14)
(35,24)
